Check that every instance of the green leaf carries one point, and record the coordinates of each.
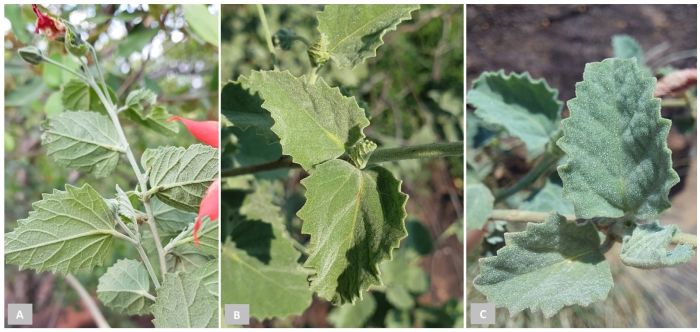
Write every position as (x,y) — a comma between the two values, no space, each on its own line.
(53,104)
(397,319)
(67,232)
(181,176)
(78,96)
(170,221)
(646,247)
(142,110)
(202,22)
(549,199)
(354,32)
(124,288)
(19,24)
(355,219)
(242,106)
(315,122)
(137,40)
(184,300)
(546,267)
(615,140)
(260,268)
(353,315)
(208,240)
(479,205)
(626,47)
(403,277)
(83,140)
(524,107)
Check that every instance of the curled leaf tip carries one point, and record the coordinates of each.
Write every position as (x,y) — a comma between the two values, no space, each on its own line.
(206,132)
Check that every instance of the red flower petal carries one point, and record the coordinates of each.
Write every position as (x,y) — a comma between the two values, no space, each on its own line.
(206,132)
(47,24)
(209,207)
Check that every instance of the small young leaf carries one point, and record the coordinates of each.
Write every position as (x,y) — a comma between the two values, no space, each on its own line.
(184,300)
(479,205)
(314,122)
(355,219)
(546,267)
(181,175)
(526,108)
(615,140)
(208,240)
(354,32)
(626,47)
(83,140)
(647,247)
(142,109)
(260,268)
(68,232)
(124,288)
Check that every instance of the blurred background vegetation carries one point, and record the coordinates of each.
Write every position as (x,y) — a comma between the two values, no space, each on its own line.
(412,91)
(159,47)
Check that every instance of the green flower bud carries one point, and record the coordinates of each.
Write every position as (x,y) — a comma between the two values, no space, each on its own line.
(318,53)
(74,43)
(31,54)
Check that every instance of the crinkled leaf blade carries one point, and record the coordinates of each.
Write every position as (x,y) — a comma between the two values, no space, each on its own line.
(124,288)
(354,32)
(67,232)
(545,268)
(648,247)
(524,107)
(615,141)
(355,219)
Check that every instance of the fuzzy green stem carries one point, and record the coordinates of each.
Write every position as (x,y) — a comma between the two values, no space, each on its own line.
(268,35)
(435,150)
(62,66)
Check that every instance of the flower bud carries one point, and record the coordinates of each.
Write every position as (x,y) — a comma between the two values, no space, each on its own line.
(31,54)
(318,53)
(74,43)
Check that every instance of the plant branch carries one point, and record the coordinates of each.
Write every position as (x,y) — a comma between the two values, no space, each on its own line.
(89,302)
(62,66)
(268,35)
(435,150)
(532,216)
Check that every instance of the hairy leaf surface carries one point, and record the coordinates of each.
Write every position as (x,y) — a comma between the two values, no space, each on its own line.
(124,288)
(184,300)
(260,268)
(615,140)
(355,219)
(526,108)
(83,140)
(354,32)
(647,247)
(314,122)
(67,232)
(181,175)
(546,267)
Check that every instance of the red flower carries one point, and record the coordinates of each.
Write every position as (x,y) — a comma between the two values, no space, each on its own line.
(50,26)
(209,207)
(206,132)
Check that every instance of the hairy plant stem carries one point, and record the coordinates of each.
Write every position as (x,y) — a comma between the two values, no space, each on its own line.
(268,35)
(112,112)
(435,150)
(89,302)
(532,216)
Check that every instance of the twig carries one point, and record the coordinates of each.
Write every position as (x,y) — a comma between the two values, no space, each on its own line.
(89,302)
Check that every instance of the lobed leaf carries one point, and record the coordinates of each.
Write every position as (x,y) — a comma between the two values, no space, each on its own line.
(181,176)
(314,122)
(546,267)
(617,161)
(83,140)
(354,32)
(355,219)
(647,247)
(524,107)
(67,232)
(124,288)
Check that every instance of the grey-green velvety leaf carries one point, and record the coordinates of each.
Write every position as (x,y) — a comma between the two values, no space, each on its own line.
(479,205)
(242,106)
(184,300)
(615,140)
(545,268)
(549,199)
(83,140)
(354,32)
(124,288)
(181,175)
(260,268)
(314,122)
(353,315)
(355,219)
(647,247)
(626,47)
(67,232)
(526,108)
